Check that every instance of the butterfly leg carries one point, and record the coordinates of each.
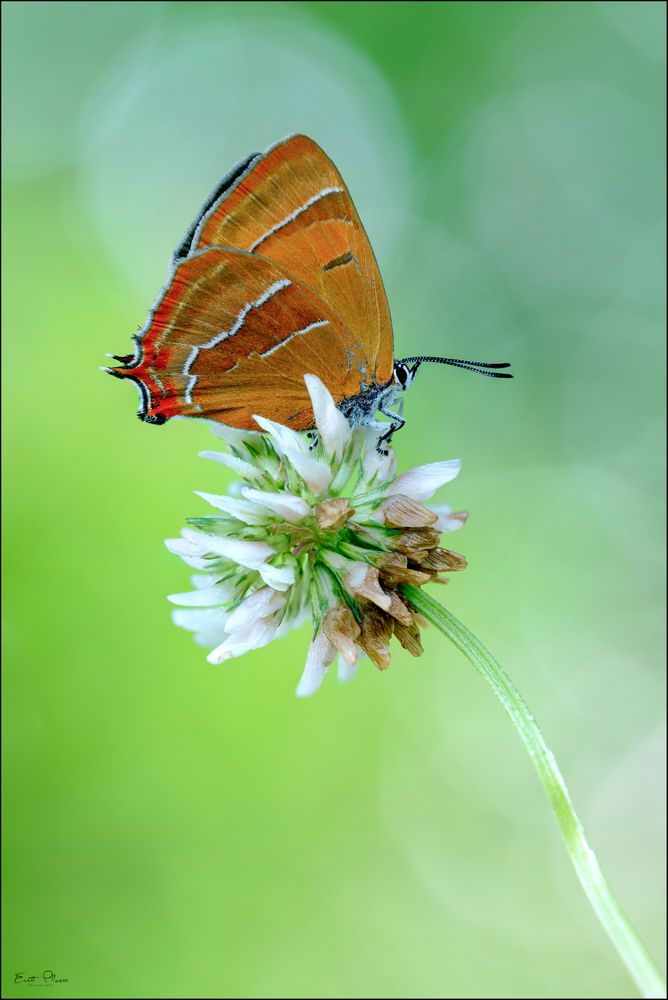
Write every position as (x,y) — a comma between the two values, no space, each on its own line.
(396,423)
(312,438)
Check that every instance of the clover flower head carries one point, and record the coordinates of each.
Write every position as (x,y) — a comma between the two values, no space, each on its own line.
(318,525)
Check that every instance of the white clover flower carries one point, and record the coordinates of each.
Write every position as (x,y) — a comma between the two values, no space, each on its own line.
(315,528)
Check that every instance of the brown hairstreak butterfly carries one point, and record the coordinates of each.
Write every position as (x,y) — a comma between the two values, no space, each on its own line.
(274,279)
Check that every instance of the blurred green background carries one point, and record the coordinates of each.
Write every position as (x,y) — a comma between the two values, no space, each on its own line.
(177,829)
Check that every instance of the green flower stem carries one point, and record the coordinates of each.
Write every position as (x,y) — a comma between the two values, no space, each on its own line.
(629,947)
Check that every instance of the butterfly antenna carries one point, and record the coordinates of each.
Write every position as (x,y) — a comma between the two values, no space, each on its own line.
(471,366)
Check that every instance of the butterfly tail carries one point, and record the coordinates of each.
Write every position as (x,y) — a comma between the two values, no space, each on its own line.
(149,391)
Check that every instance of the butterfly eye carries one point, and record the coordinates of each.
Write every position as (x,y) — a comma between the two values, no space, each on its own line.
(401,374)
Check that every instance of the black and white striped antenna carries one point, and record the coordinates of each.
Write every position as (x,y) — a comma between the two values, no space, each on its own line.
(471,366)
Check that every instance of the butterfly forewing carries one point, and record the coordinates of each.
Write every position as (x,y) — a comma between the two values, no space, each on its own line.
(186,244)
(292,205)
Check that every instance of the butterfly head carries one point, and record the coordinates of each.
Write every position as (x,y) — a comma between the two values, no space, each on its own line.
(404,374)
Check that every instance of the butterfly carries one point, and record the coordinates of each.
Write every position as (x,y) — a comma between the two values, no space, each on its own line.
(274,279)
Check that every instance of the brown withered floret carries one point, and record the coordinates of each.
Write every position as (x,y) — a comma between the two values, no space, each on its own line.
(398,610)
(377,629)
(394,570)
(409,636)
(400,511)
(333,514)
(363,581)
(415,540)
(342,630)
(442,559)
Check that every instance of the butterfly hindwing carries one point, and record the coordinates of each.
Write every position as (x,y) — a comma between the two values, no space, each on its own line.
(232,332)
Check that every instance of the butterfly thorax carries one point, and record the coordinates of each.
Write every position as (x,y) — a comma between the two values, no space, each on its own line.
(360,410)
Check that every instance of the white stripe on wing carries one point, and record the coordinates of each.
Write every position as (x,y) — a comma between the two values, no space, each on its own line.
(295,215)
(224,334)
(291,336)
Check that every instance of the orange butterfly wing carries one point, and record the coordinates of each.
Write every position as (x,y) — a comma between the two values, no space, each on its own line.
(291,204)
(275,279)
